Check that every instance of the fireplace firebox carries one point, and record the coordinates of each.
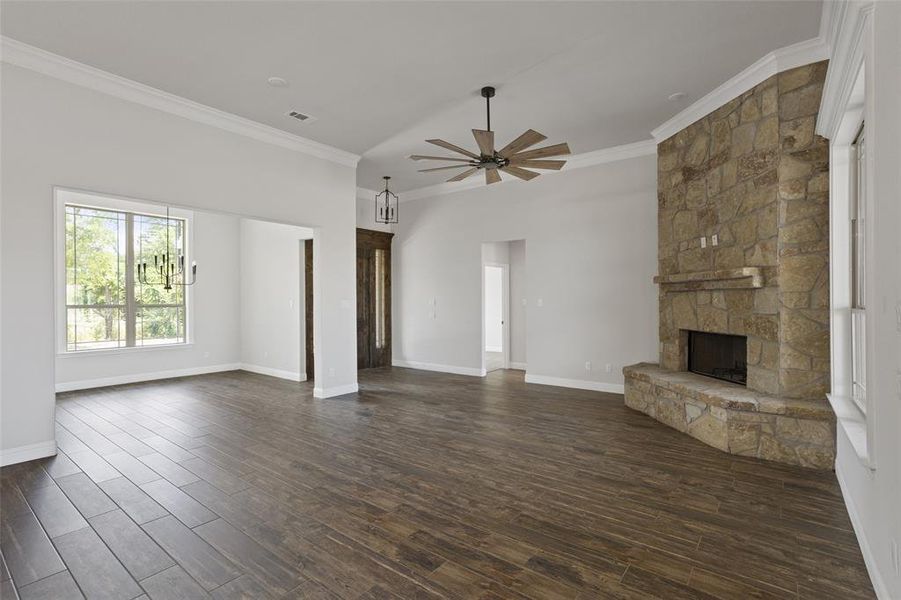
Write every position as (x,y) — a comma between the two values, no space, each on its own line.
(718,355)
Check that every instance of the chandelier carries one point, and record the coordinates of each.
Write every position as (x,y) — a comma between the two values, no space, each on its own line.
(386,205)
(168,267)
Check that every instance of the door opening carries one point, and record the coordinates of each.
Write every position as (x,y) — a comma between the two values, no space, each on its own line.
(495,312)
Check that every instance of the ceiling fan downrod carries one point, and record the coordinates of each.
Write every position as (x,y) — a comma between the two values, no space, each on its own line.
(488,94)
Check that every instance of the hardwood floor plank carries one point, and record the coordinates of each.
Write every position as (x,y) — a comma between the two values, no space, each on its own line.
(133,500)
(220,478)
(56,587)
(132,468)
(60,465)
(173,584)
(172,471)
(134,549)
(245,588)
(95,569)
(94,466)
(85,495)
(27,550)
(54,510)
(275,575)
(203,562)
(189,511)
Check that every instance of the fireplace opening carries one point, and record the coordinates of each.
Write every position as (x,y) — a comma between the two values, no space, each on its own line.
(718,355)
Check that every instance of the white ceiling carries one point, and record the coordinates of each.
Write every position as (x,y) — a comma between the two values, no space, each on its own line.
(382,77)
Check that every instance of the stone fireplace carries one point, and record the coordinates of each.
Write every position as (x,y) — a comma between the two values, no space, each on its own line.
(743,254)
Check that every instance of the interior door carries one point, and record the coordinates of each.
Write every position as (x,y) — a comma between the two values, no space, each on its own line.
(373,298)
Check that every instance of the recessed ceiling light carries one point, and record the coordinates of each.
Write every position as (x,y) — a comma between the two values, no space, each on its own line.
(277,82)
(676,96)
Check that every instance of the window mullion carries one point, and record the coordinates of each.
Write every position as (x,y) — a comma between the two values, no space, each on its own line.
(130,310)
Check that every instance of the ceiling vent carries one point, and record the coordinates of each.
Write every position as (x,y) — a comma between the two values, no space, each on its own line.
(300,116)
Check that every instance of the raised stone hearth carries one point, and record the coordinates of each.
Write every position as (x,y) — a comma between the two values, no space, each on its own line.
(743,250)
(733,418)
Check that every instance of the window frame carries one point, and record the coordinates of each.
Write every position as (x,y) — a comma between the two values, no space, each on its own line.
(65,196)
(858,200)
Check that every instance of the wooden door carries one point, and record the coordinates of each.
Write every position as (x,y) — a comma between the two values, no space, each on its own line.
(308,298)
(373,298)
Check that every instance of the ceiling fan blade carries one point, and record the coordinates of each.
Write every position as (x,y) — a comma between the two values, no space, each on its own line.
(555,165)
(463,175)
(529,138)
(521,173)
(457,149)
(485,140)
(555,150)
(492,176)
(443,168)
(447,158)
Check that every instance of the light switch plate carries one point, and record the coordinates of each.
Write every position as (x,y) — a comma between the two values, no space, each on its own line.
(715,239)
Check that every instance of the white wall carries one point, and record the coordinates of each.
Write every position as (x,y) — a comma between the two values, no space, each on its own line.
(366,214)
(58,133)
(518,294)
(215,340)
(494,308)
(873,496)
(592,239)
(272,299)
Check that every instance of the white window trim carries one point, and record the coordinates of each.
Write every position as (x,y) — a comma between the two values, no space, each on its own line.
(856,425)
(63,196)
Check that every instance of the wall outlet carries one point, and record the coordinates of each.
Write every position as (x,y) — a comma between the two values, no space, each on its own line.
(587,365)
(524,302)
(206,354)
(715,239)
(540,302)
(703,241)
(609,367)
(265,355)
(331,372)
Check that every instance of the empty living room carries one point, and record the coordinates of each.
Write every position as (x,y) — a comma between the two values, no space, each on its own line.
(476,300)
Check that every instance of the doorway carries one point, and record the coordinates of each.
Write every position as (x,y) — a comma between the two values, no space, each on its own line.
(373,298)
(496,343)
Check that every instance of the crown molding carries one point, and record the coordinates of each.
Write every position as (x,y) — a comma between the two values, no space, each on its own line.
(53,65)
(796,55)
(576,161)
(847,24)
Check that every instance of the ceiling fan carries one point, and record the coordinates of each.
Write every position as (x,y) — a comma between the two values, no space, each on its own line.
(512,158)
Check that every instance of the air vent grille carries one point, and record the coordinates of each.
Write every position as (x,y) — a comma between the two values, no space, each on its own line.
(299,116)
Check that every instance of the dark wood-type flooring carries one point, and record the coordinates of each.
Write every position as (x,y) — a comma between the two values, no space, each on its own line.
(423,485)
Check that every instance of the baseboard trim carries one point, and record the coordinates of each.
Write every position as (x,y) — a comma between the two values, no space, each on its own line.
(84,384)
(879,585)
(280,373)
(339,390)
(12,456)
(579,384)
(424,366)
(518,366)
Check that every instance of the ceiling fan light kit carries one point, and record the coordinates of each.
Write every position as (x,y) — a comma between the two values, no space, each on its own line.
(514,158)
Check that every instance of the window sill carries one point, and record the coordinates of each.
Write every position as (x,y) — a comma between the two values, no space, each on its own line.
(854,423)
(115,351)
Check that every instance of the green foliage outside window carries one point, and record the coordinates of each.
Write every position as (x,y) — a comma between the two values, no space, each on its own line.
(99,286)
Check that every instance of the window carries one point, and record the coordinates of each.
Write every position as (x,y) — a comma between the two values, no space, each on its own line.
(858,216)
(109,302)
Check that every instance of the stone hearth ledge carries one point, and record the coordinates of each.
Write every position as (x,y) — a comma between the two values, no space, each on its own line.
(733,418)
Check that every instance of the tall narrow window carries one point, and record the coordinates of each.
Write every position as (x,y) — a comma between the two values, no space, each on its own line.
(858,271)
(380,308)
(107,306)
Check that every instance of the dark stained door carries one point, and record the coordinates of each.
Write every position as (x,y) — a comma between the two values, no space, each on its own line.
(373,298)
(308,297)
